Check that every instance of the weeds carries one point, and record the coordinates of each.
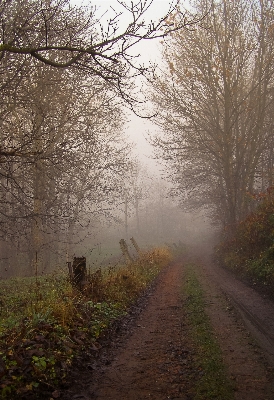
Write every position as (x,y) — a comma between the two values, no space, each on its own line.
(45,322)
(250,251)
(213,382)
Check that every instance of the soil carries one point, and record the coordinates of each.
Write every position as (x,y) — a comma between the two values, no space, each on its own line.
(149,354)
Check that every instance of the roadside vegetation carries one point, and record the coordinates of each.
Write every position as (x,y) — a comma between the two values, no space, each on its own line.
(250,251)
(46,323)
(213,382)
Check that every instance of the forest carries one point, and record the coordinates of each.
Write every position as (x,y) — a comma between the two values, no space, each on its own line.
(66,165)
(215,104)
(71,184)
(67,168)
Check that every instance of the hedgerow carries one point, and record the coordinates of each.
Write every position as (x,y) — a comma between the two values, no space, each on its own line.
(250,251)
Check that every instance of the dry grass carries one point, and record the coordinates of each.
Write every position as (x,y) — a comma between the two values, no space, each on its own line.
(45,322)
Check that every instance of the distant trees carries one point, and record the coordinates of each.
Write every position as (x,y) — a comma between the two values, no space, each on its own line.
(64,74)
(215,107)
(135,189)
(149,214)
(68,154)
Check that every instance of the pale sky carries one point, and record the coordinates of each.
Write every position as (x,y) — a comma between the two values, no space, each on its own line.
(149,50)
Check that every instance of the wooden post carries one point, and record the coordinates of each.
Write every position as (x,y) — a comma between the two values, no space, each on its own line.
(124,249)
(79,272)
(137,248)
(70,271)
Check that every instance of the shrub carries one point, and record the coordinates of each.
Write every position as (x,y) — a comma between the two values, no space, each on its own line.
(250,251)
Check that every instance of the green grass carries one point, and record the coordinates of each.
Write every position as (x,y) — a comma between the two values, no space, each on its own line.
(30,298)
(45,323)
(213,382)
(248,250)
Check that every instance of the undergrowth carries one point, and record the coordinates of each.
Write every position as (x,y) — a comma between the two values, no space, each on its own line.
(213,382)
(250,250)
(46,323)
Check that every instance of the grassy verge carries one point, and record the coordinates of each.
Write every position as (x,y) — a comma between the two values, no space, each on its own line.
(213,382)
(45,323)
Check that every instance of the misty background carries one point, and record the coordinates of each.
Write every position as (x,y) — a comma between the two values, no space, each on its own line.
(120,119)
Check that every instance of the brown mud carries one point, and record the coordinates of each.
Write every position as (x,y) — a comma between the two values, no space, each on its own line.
(150,355)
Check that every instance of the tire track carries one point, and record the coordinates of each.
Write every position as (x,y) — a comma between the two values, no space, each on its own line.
(256,311)
(154,361)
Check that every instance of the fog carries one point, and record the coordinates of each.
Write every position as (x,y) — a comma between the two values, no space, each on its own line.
(161,223)
(79,172)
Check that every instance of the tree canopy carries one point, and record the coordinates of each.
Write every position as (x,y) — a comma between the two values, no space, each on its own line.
(61,35)
(215,107)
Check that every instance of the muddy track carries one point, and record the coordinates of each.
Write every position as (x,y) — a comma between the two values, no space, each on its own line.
(256,311)
(152,360)
(153,357)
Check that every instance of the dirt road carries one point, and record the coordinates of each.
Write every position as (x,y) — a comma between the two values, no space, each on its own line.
(257,311)
(152,357)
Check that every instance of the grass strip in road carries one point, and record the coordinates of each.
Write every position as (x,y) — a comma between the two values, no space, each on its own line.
(213,382)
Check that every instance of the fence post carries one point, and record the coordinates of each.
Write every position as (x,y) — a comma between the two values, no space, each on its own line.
(79,272)
(124,249)
(70,271)
(137,248)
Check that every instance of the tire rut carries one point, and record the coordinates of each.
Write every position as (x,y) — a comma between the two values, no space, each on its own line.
(156,359)
(256,311)
(152,364)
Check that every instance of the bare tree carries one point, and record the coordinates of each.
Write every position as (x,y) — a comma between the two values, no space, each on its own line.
(215,103)
(61,148)
(71,134)
(65,36)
